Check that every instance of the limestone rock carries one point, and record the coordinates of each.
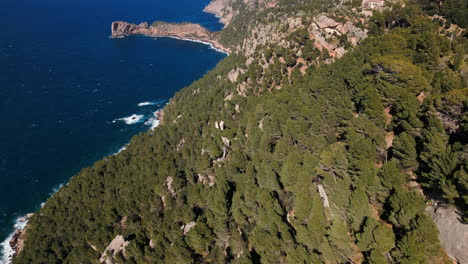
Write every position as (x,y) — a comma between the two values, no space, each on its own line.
(188,227)
(226,141)
(188,31)
(323,21)
(117,245)
(453,234)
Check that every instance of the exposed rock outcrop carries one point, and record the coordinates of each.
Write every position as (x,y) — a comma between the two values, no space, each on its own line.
(188,227)
(323,22)
(453,234)
(16,242)
(323,31)
(221,9)
(117,245)
(226,9)
(325,28)
(323,195)
(187,31)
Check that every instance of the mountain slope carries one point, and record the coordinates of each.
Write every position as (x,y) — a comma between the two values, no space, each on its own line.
(287,152)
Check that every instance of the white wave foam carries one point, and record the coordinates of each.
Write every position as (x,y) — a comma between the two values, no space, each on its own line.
(187,39)
(6,251)
(145,103)
(56,189)
(153,121)
(130,120)
(121,149)
(198,41)
(150,103)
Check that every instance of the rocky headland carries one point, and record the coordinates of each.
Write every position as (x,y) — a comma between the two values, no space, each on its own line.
(185,31)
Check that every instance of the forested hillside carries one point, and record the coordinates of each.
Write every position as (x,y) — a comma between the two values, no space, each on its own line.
(285,153)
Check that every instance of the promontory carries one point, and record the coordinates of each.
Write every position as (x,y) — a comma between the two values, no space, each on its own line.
(186,31)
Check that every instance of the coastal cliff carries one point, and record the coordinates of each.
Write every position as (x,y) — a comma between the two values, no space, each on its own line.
(186,31)
(221,9)
(226,10)
(15,242)
(306,145)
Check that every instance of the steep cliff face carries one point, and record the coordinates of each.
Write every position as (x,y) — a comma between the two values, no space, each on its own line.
(189,31)
(308,41)
(17,242)
(226,10)
(239,172)
(453,234)
(183,30)
(221,9)
(326,34)
(121,28)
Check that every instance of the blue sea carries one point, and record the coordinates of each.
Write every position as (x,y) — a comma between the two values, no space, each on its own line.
(66,87)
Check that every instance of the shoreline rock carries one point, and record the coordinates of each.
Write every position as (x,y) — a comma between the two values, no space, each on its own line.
(16,242)
(184,31)
(159,114)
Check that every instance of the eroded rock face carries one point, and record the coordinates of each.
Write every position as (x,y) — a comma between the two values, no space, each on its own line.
(188,227)
(116,245)
(17,242)
(121,28)
(453,234)
(226,9)
(222,9)
(182,30)
(323,21)
(188,31)
(325,27)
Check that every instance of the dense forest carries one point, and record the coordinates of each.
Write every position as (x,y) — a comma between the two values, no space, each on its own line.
(330,164)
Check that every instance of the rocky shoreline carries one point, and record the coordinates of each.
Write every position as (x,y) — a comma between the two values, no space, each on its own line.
(184,31)
(15,242)
(216,8)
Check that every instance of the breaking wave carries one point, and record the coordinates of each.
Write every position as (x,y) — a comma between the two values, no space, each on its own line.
(130,120)
(151,103)
(153,121)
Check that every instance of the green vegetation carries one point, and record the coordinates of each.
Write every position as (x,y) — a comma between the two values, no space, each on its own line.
(456,11)
(318,171)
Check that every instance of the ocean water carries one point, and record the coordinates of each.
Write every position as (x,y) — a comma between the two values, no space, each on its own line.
(70,95)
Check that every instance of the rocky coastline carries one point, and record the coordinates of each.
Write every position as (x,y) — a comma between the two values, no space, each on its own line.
(216,7)
(15,243)
(452,231)
(184,31)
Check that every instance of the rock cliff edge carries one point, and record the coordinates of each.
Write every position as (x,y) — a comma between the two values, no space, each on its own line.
(186,31)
